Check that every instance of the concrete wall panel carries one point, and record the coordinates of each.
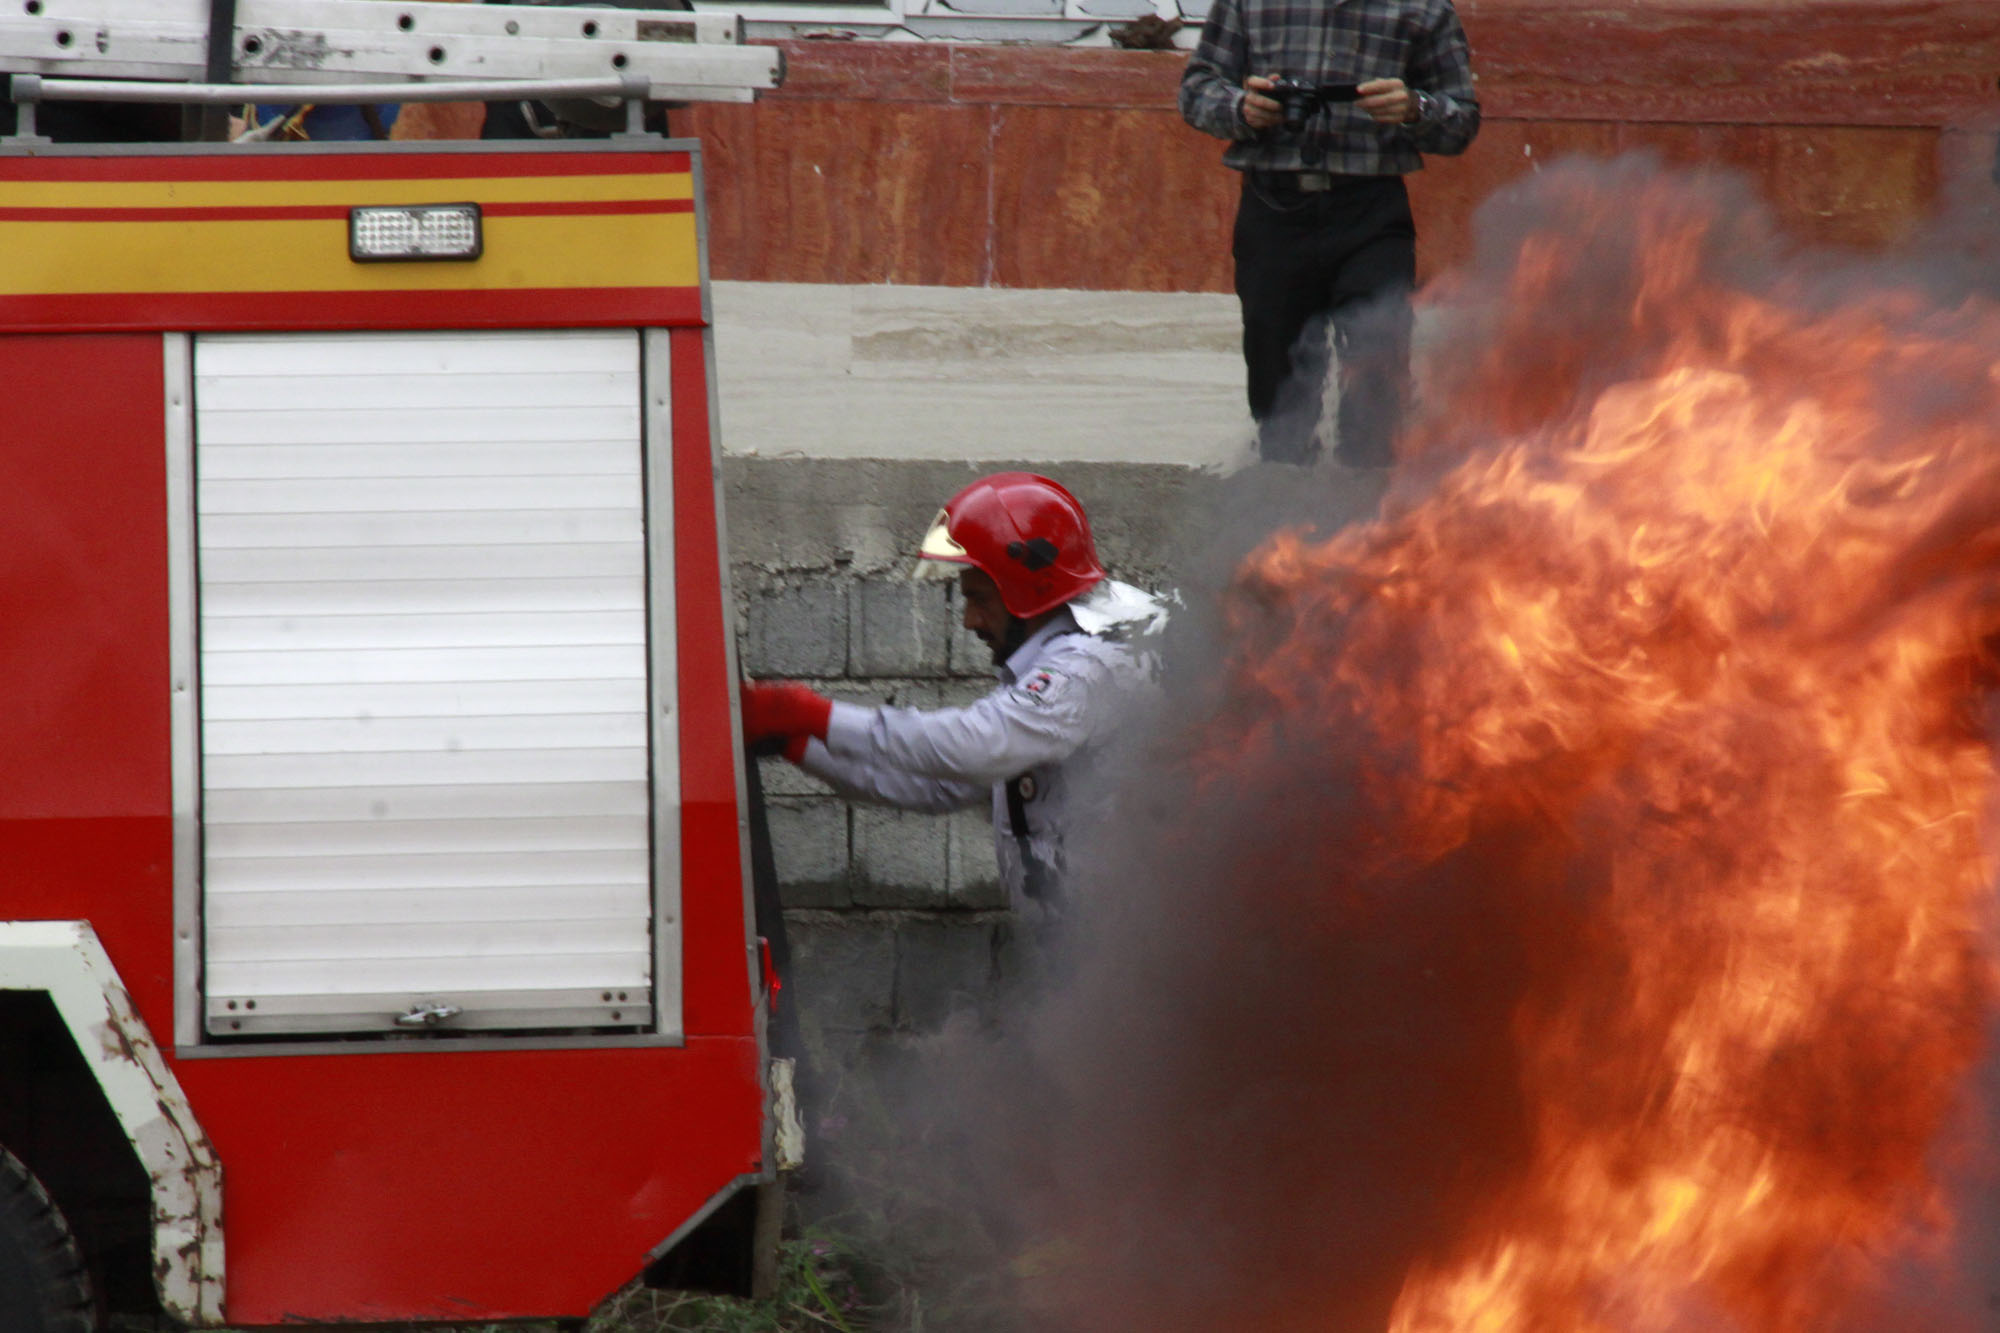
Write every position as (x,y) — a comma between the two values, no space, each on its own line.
(942,968)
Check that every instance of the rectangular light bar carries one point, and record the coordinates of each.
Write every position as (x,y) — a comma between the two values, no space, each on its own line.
(425,231)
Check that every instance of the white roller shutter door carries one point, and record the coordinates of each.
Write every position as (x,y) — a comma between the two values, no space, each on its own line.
(426,776)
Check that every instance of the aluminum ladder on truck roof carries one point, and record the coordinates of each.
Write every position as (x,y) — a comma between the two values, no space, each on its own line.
(467,50)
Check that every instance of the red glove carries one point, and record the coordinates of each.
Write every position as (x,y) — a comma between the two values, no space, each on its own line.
(782,708)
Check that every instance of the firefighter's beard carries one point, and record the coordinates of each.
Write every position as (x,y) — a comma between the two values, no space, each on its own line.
(1004,645)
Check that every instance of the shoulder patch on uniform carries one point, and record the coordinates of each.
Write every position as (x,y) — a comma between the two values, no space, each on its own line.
(1037,684)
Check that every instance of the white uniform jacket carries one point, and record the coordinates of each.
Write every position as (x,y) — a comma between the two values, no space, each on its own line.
(1063,696)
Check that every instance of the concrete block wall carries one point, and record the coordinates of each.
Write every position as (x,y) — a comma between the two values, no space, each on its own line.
(896,920)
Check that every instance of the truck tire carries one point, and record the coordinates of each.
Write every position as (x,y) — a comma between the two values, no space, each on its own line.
(44,1286)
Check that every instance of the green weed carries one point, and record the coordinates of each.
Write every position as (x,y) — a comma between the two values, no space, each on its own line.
(819,1291)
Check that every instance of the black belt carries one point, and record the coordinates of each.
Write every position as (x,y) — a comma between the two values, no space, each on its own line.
(1308,182)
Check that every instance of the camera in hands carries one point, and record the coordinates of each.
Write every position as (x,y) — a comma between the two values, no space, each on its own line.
(1299,98)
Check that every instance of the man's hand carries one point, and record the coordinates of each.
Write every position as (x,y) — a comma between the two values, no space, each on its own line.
(781,708)
(1389,101)
(1260,112)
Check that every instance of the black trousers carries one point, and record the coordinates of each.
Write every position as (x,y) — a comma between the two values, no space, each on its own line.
(1324,271)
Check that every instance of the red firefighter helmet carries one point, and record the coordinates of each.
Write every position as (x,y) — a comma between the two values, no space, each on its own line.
(1027,533)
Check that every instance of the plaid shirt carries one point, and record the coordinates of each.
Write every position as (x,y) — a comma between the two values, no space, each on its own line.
(1333,41)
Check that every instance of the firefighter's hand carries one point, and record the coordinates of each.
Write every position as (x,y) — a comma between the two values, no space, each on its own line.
(782,709)
(1389,101)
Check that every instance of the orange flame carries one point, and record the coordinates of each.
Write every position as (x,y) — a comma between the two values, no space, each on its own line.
(1723,613)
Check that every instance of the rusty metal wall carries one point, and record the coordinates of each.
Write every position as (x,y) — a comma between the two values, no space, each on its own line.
(1068,167)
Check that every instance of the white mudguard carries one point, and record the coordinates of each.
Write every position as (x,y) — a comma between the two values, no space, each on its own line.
(64,959)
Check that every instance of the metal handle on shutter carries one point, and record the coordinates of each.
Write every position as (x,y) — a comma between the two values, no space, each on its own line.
(428,1015)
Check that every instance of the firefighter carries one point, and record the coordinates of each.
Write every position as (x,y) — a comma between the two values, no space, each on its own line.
(1071,675)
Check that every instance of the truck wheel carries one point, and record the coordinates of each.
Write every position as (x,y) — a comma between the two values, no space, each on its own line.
(44,1286)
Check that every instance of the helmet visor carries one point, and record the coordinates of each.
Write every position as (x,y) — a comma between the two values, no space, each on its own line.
(940,556)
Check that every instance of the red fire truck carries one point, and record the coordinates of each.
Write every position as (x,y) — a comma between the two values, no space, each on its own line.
(375,934)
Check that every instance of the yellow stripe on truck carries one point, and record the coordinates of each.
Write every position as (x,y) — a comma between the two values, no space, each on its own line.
(278,255)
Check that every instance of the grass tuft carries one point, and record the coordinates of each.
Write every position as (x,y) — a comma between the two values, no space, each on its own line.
(819,1291)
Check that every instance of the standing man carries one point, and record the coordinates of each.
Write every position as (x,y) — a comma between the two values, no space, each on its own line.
(1323,229)
(1021,549)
